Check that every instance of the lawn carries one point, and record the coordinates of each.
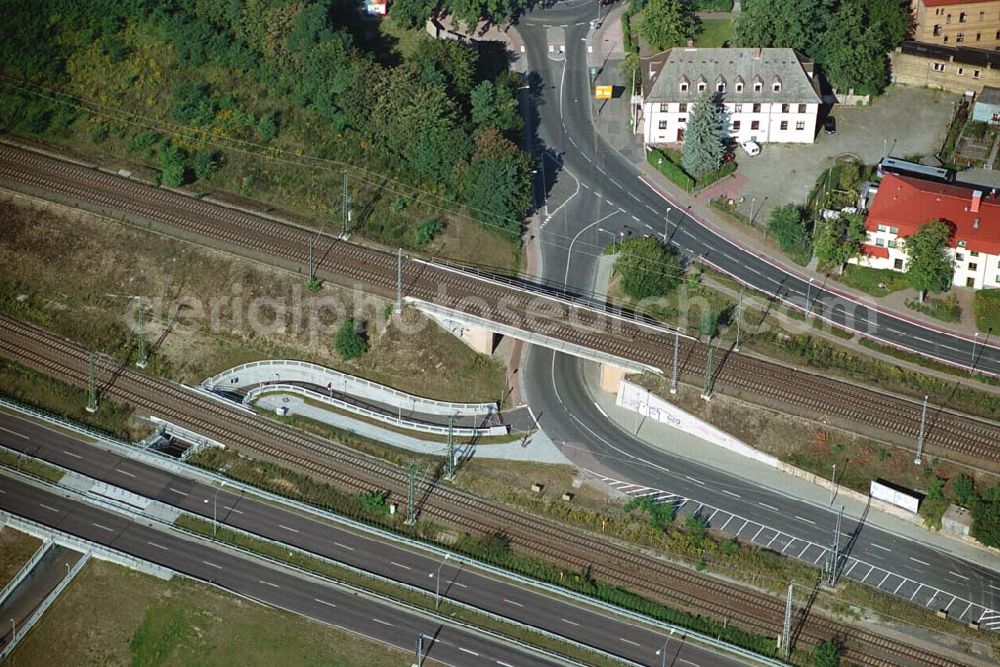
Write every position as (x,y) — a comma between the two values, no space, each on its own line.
(943,308)
(986,305)
(868,280)
(114,616)
(714,32)
(15,550)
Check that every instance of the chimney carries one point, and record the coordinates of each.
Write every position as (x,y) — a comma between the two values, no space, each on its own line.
(977,196)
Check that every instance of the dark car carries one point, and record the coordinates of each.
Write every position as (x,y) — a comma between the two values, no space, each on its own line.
(830,125)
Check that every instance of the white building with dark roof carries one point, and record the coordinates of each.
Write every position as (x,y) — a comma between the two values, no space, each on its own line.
(770,94)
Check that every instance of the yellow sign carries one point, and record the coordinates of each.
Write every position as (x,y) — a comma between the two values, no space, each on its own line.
(603,92)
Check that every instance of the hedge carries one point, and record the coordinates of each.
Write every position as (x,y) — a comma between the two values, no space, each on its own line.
(673,172)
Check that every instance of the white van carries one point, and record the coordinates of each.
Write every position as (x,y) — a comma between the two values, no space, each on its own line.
(751,148)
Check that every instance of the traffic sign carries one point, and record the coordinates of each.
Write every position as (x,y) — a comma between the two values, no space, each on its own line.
(603,92)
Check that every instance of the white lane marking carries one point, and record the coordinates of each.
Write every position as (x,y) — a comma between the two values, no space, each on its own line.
(610,203)
(917,560)
(379,620)
(465,650)
(805,520)
(993,587)
(20,435)
(636,218)
(601,170)
(617,184)
(629,641)
(696,481)
(516,604)
(170,488)
(328,604)
(770,507)
(956,574)
(217,567)
(754,538)
(633,196)
(75,456)
(289,529)
(566,620)
(51,509)
(268,583)
(405,567)
(343,546)
(110,530)
(504,664)
(599,409)
(879,546)
(124,472)
(688,662)
(158,546)
(457,583)
(730,493)
(651,208)
(573,142)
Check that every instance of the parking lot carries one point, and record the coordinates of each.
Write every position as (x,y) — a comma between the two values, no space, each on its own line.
(911,121)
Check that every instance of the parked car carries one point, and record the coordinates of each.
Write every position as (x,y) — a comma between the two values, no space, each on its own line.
(830,125)
(751,148)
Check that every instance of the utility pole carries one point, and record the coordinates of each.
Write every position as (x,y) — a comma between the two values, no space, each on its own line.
(831,570)
(920,435)
(449,468)
(92,382)
(739,316)
(312,260)
(808,294)
(411,511)
(786,628)
(707,394)
(346,207)
(420,650)
(399,281)
(833,481)
(143,356)
(753,203)
(677,347)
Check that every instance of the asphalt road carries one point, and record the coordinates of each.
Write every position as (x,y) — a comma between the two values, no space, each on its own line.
(274,522)
(22,602)
(309,598)
(598,196)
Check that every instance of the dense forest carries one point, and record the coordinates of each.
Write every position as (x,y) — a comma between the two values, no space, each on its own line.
(275,99)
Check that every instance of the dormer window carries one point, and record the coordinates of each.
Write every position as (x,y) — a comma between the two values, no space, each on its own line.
(684,84)
(720,85)
(776,87)
(701,86)
(757,87)
(739,86)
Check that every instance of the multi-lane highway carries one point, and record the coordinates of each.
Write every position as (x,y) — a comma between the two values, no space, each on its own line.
(586,625)
(599,189)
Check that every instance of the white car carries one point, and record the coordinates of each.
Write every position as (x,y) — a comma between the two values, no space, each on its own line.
(751,148)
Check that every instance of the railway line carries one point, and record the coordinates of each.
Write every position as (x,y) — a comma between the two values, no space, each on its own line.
(607,559)
(969,438)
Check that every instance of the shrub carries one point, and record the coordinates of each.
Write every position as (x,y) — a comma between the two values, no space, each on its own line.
(661,515)
(647,267)
(427,230)
(671,171)
(986,306)
(204,164)
(788,227)
(827,654)
(350,341)
(172,163)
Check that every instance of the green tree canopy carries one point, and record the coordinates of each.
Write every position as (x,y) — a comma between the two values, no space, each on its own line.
(703,149)
(986,518)
(497,183)
(648,268)
(351,341)
(667,23)
(782,23)
(787,226)
(929,266)
(839,239)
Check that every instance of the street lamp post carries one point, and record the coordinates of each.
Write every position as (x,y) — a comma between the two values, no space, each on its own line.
(663,651)
(753,203)
(666,223)
(808,293)
(215,511)
(437,583)
(975,341)
(739,316)
(609,233)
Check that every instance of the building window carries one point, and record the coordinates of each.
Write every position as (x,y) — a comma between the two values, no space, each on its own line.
(961,71)
(892,243)
(682,107)
(979,36)
(701,87)
(802,108)
(684,87)
(663,124)
(739,87)
(881,228)
(961,244)
(682,119)
(960,37)
(664,108)
(970,282)
(880,242)
(975,72)
(961,17)
(757,87)
(937,30)
(894,230)
(982,16)
(755,125)
(939,67)
(947,19)
(973,266)
(784,125)
(959,257)
(975,225)
(720,87)
(737,108)
(973,253)
(945,40)
(777,87)
(736,126)
(785,108)
(898,264)
(800,125)
(756,107)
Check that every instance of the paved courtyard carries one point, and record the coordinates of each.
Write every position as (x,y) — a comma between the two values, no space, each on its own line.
(785,173)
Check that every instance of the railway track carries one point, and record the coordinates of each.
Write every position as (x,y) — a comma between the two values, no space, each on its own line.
(737,375)
(607,559)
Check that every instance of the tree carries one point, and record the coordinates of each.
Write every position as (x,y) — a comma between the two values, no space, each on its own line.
(172,163)
(787,226)
(703,149)
(929,266)
(783,23)
(852,53)
(204,164)
(647,267)
(964,491)
(839,239)
(351,341)
(986,518)
(495,104)
(667,23)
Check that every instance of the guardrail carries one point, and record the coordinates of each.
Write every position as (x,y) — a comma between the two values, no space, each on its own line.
(24,571)
(26,626)
(349,384)
(187,470)
(460,431)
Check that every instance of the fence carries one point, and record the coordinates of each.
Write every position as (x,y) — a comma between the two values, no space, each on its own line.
(409,424)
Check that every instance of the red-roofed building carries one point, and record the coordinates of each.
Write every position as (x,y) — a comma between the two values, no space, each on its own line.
(904,204)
